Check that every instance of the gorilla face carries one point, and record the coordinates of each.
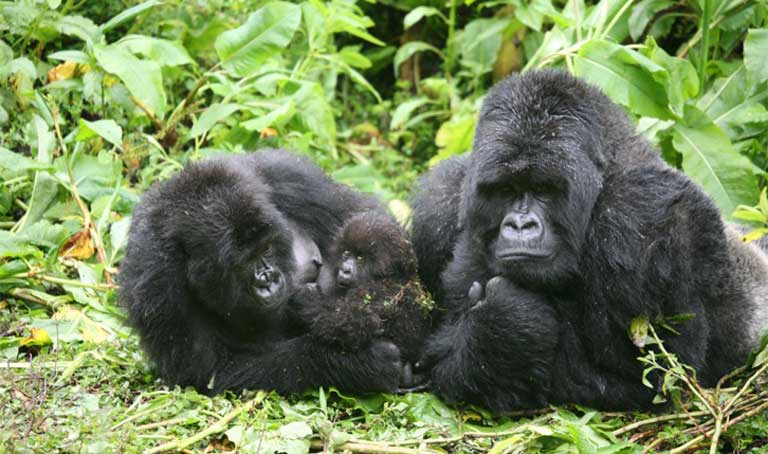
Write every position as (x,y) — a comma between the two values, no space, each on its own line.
(368,246)
(244,258)
(524,204)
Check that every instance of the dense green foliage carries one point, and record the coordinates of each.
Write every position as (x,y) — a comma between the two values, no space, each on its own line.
(98,100)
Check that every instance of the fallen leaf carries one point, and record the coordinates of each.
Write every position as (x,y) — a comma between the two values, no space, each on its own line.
(38,337)
(268,132)
(67,70)
(78,246)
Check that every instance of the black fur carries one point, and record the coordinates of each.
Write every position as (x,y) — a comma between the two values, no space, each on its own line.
(383,299)
(197,244)
(626,235)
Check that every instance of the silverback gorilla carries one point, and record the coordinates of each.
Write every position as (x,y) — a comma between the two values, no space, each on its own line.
(215,259)
(568,225)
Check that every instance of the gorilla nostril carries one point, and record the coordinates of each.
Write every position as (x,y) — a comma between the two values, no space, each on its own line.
(521,224)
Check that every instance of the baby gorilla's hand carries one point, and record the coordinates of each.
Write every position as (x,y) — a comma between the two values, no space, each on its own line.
(350,325)
(387,369)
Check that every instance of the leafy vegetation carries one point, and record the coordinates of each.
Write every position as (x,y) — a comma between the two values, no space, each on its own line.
(98,100)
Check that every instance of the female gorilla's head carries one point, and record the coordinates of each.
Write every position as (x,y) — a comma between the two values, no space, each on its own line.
(243,258)
(535,173)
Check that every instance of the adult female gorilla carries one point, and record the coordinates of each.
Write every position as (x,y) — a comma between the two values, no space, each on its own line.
(567,226)
(215,258)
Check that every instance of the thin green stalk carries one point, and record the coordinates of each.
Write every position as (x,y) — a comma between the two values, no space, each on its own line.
(450,54)
(705,19)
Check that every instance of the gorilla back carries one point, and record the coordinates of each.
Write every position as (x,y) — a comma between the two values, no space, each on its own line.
(568,225)
(215,258)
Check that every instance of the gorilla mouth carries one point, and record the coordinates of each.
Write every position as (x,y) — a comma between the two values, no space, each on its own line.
(269,287)
(524,254)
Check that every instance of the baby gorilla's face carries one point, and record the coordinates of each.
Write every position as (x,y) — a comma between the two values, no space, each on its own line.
(369,247)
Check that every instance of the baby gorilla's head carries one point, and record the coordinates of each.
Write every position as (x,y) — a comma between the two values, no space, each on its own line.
(369,247)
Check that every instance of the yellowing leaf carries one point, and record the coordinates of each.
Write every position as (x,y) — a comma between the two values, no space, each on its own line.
(89,329)
(78,246)
(67,70)
(38,337)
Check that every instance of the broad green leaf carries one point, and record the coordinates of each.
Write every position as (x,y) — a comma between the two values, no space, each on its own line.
(94,175)
(679,80)
(406,50)
(214,114)
(45,188)
(315,112)
(264,34)
(404,111)
(274,117)
(734,106)
(710,160)
(6,53)
(454,137)
(756,54)
(643,12)
(19,163)
(142,78)
(161,51)
(70,55)
(12,245)
(43,233)
(533,13)
(479,44)
(118,234)
(353,74)
(106,129)
(625,76)
(80,27)
(420,12)
(129,14)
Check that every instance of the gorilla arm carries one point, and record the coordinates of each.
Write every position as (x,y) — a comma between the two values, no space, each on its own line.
(435,220)
(496,351)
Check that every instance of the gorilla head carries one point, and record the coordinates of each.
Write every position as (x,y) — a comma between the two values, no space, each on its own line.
(238,246)
(535,174)
(369,246)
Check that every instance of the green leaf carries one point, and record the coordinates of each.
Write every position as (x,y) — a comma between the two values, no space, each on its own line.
(403,112)
(454,137)
(80,27)
(420,12)
(141,77)
(315,111)
(755,54)
(642,14)
(479,44)
(735,107)
(12,245)
(264,34)
(710,160)
(129,14)
(19,163)
(625,76)
(275,116)
(680,80)
(45,188)
(106,129)
(406,50)
(70,55)
(94,175)
(162,51)
(214,114)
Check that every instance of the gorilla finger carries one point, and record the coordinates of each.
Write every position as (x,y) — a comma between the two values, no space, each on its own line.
(475,292)
(406,378)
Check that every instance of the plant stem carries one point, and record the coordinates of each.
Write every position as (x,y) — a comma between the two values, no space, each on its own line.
(705,19)
(450,54)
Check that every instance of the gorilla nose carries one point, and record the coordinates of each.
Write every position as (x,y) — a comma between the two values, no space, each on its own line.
(346,270)
(522,226)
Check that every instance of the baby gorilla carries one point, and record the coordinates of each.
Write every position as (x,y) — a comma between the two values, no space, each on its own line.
(369,290)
